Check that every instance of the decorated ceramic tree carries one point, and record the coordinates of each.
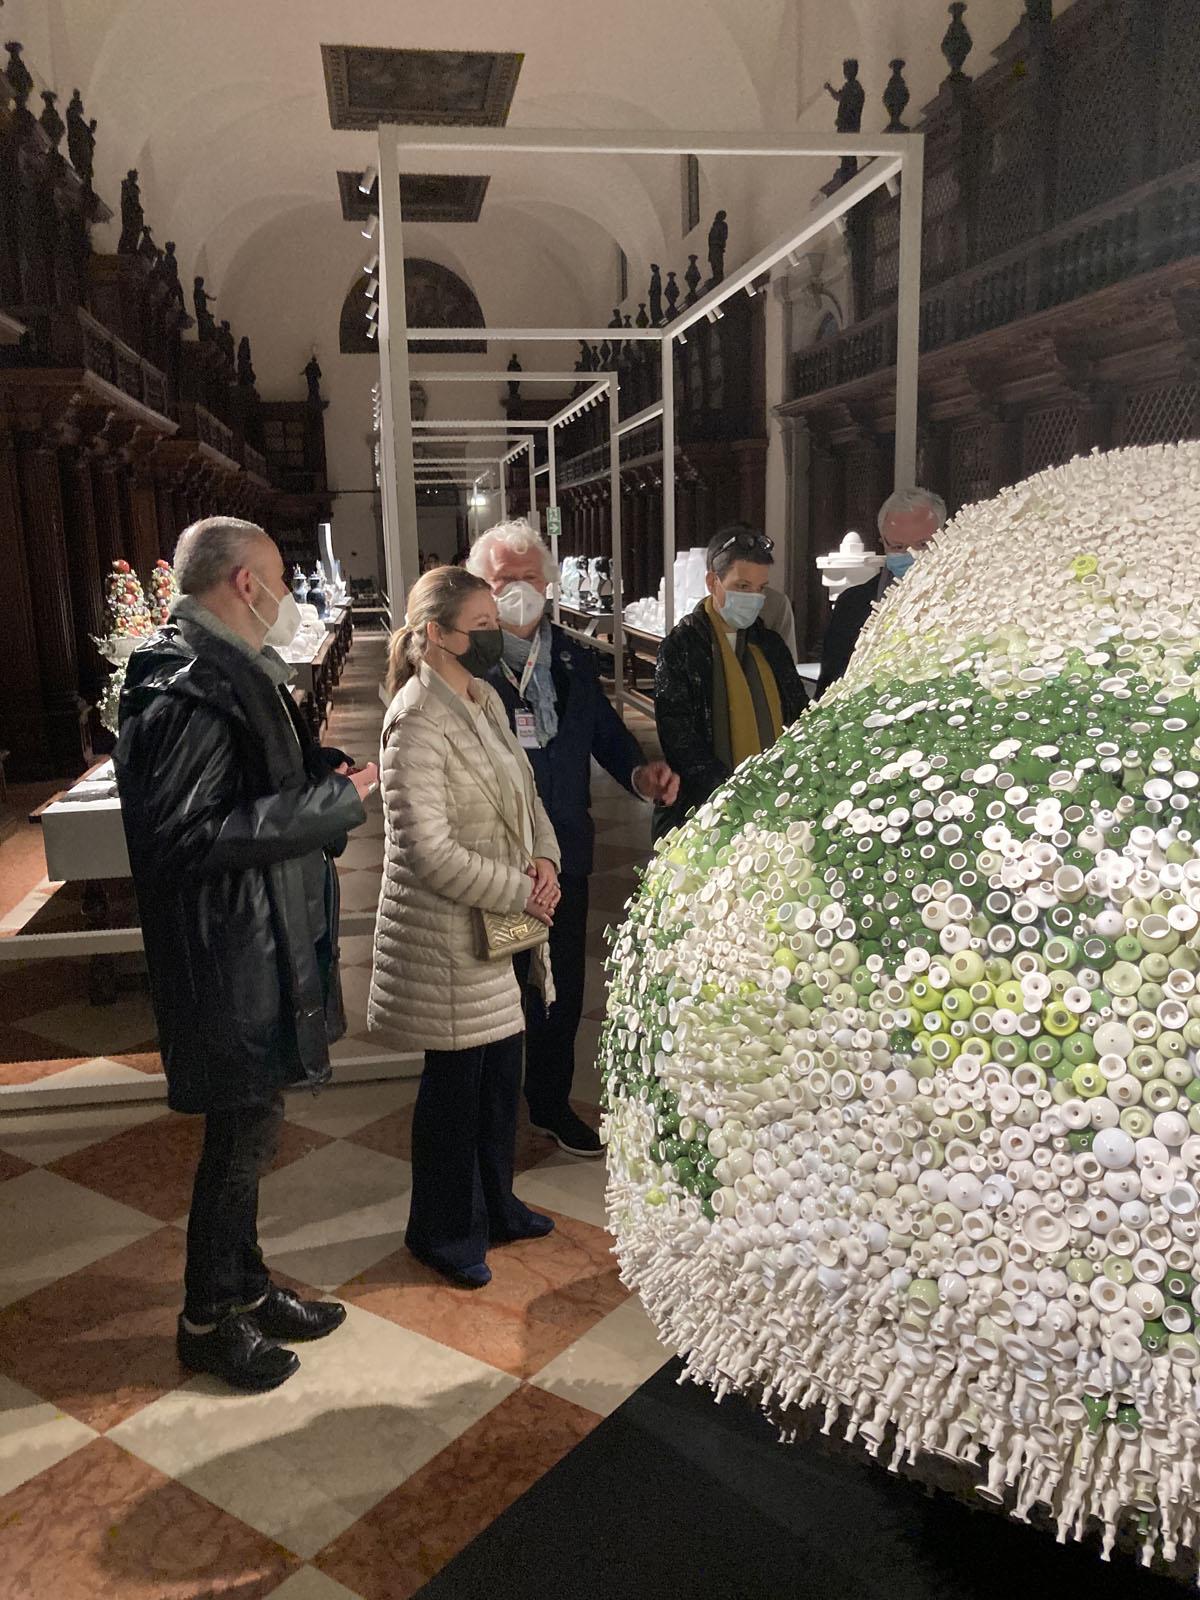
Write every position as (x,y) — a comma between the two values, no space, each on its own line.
(129,622)
(163,592)
(903,1039)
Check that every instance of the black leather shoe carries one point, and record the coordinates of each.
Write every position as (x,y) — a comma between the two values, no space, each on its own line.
(284,1316)
(236,1351)
(570,1133)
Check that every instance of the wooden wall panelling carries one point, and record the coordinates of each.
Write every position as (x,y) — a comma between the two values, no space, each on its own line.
(83,560)
(41,516)
(23,729)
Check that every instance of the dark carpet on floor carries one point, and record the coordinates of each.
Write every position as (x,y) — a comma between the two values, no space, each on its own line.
(674,1495)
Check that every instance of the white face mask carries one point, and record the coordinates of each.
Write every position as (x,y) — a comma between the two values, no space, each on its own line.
(520,604)
(286,626)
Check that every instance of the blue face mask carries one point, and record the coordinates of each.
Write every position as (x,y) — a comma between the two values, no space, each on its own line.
(898,562)
(741,610)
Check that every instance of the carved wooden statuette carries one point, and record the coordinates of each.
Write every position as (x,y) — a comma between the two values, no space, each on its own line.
(81,139)
(147,249)
(169,267)
(206,327)
(227,346)
(895,98)
(956,43)
(850,98)
(643,320)
(132,216)
(514,384)
(245,368)
(17,73)
(718,238)
(654,295)
(312,376)
(672,297)
(52,124)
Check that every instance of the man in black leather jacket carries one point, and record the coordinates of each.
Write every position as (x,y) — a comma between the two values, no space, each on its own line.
(231,818)
(739,562)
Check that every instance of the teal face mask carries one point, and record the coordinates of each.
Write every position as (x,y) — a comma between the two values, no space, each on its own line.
(898,562)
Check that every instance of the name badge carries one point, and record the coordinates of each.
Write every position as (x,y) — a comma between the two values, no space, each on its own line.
(527,730)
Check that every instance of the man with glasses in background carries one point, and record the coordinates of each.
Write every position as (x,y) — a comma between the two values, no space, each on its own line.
(726,685)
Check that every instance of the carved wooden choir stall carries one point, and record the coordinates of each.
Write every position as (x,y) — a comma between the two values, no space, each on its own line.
(123,417)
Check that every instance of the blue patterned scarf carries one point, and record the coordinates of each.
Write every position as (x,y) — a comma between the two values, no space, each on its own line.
(540,689)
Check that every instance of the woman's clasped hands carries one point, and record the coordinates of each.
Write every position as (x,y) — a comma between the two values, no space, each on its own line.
(545,894)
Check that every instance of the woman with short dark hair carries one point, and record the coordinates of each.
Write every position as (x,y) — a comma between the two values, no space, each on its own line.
(725,686)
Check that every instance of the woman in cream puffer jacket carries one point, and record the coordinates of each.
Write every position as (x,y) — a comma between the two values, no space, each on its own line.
(446,852)
(464,832)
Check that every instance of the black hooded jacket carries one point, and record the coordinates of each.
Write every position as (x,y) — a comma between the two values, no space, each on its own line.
(231,817)
(683,710)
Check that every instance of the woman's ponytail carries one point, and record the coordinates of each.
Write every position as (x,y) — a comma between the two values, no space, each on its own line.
(402,658)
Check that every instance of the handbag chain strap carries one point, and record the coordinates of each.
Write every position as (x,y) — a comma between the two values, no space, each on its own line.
(489,797)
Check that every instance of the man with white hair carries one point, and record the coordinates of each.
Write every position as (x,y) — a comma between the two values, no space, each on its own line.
(550,686)
(907,522)
(231,817)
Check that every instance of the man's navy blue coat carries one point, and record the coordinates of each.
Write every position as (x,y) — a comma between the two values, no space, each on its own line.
(588,725)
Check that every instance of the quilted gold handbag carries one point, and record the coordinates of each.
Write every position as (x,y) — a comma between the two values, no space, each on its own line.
(504,934)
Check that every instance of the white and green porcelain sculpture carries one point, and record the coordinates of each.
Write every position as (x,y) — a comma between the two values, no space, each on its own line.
(903,1041)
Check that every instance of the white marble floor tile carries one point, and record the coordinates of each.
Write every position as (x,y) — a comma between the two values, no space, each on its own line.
(334,1213)
(341,1111)
(309,1584)
(611,1360)
(41,1137)
(571,1184)
(50,1227)
(96,1030)
(34,1435)
(369,1406)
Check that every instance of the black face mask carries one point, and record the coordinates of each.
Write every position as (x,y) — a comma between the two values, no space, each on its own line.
(484,651)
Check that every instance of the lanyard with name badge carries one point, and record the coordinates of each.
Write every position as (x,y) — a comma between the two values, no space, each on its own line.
(523,718)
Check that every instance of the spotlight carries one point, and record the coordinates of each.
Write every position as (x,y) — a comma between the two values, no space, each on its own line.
(715,315)
(479,500)
(369,226)
(840,224)
(372,287)
(793,257)
(892,185)
(368,180)
(681,338)
(751,291)
(372,330)
(372,311)
(370,267)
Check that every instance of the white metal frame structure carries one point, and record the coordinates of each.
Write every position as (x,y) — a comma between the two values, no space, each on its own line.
(599,385)
(888,157)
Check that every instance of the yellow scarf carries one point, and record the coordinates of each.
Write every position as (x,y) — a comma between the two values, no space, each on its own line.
(747,734)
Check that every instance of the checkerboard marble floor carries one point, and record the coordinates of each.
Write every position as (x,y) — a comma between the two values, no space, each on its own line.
(401,1437)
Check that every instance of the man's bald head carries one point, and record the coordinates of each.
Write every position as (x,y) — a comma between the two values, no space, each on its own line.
(212,550)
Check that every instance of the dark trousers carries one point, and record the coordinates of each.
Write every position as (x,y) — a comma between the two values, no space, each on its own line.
(225,1269)
(550,1033)
(464,1135)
